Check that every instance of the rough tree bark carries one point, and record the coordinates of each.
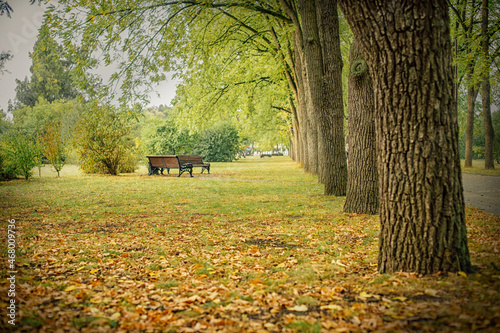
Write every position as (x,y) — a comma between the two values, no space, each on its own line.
(333,160)
(362,181)
(407,46)
(301,104)
(489,135)
(312,66)
(472,90)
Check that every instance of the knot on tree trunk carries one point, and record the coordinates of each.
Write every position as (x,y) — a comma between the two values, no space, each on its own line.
(359,67)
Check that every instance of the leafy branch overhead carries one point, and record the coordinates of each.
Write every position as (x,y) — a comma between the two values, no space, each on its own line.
(160,34)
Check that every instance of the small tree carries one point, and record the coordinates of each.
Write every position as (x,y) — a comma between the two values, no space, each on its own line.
(52,146)
(22,152)
(103,139)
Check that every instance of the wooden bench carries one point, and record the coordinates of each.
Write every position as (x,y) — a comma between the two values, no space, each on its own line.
(265,155)
(157,163)
(195,161)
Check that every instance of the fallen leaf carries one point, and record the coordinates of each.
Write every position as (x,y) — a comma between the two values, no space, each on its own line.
(331,307)
(431,292)
(299,308)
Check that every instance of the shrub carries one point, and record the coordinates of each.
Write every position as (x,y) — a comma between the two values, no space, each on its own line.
(219,143)
(21,153)
(103,139)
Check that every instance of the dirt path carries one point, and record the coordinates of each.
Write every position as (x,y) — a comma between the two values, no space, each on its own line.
(482,192)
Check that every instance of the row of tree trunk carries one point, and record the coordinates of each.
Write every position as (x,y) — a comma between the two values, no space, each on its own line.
(403,133)
(467,18)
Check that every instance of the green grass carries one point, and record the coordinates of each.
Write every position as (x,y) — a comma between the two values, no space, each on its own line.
(478,168)
(239,248)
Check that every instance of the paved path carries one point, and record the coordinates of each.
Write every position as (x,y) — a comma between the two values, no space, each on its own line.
(482,192)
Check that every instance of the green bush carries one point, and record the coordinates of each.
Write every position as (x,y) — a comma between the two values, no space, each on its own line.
(162,137)
(220,143)
(103,140)
(20,153)
(7,170)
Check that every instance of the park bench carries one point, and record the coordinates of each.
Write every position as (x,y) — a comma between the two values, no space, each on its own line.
(265,155)
(157,163)
(195,161)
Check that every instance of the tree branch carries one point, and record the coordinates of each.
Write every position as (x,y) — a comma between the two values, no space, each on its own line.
(281,109)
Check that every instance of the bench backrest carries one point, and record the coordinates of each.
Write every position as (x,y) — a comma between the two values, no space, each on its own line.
(164,161)
(190,159)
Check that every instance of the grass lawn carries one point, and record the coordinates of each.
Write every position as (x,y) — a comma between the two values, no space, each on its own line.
(478,168)
(253,247)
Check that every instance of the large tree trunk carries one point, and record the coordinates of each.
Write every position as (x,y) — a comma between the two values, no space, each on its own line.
(362,181)
(333,160)
(407,47)
(301,102)
(489,135)
(312,65)
(469,127)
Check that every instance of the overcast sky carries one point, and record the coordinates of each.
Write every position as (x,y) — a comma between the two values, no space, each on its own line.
(18,35)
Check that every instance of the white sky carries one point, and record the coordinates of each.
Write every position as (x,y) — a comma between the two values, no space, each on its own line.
(18,35)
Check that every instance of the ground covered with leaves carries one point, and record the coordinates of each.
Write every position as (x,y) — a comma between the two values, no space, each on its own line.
(252,247)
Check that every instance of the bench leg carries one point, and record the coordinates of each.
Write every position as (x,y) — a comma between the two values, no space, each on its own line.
(190,170)
(152,170)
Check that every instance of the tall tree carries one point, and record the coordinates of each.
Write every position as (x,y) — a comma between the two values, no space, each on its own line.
(407,47)
(465,15)
(489,135)
(477,27)
(317,47)
(362,181)
(333,163)
(50,73)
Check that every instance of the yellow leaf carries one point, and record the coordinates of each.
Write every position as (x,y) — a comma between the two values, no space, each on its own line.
(80,268)
(334,307)
(400,298)
(115,316)
(364,295)
(70,288)
(256,281)
(396,316)
(94,300)
(299,308)
(281,265)
(198,266)
(152,273)
(462,274)
(431,292)
(94,271)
